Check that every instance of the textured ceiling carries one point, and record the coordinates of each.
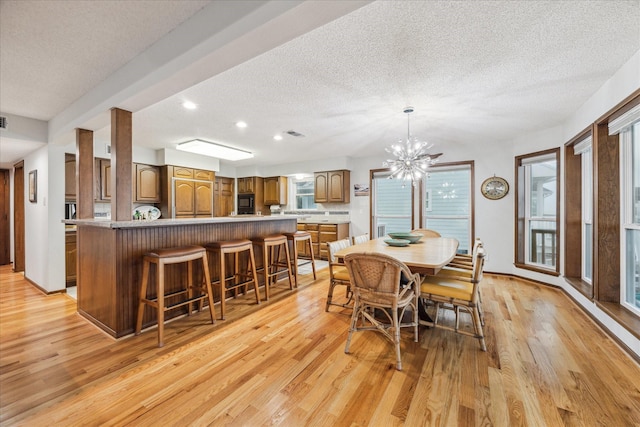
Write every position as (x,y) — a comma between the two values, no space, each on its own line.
(473,71)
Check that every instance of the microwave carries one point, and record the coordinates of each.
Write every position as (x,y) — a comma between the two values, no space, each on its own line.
(246,204)
(69,210)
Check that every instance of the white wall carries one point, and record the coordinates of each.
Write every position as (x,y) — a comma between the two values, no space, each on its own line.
(44,231)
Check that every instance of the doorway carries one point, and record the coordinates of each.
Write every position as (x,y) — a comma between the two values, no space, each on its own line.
(18,217)
(5,229)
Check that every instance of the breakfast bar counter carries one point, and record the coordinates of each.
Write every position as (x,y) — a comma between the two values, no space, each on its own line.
(110,257)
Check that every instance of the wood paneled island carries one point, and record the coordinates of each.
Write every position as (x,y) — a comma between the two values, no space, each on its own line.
(110,260)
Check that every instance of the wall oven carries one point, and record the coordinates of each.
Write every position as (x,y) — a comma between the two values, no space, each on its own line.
(246,205)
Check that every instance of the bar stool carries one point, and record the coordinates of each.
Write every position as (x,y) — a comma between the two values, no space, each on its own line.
(240,279)
(167,256)
(270,246)
(304,237)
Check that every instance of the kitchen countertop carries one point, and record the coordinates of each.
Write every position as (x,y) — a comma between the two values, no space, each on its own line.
(324,221)
(107,223)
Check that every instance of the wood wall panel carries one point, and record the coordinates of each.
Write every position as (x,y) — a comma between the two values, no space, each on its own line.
(110,266)
(606,251)
(573,214)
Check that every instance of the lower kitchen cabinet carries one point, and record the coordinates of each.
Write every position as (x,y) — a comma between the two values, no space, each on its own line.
(320,235)
(70,257)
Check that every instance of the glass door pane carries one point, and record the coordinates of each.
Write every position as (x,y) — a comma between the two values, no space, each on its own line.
(392,206)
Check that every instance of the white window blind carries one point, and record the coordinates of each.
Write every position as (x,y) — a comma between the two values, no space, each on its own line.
(625,120)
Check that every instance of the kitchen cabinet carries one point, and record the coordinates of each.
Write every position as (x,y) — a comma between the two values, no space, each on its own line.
(320,235)
(275,190)
(332,186)
(203,198)
(187,192)
(146,181)
(70,177)
(247,185)
(223,196)
(103,180)
(331,233)
(70,257)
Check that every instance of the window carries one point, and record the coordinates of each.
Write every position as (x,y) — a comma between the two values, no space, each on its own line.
(630,233)
(392,204)
(448,202)
(583,149)
(303,195)
(537,195)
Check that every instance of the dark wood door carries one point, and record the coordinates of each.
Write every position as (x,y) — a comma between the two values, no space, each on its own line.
(18,217)
(5,241)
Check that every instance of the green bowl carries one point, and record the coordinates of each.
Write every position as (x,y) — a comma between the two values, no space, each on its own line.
(412,237)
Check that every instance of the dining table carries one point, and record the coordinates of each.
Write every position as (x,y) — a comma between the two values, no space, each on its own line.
(427,256)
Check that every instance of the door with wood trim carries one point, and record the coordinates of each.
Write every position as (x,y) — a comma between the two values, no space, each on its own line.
(5,229)
(18,217)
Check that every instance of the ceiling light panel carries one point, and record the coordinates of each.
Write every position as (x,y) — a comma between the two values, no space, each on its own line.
(212,149)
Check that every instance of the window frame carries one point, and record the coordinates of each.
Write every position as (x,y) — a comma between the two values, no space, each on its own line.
(293,191)
(373,174)
(626,204)
(425,195)
(521,232)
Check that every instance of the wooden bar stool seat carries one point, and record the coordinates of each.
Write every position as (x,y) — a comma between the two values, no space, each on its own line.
(271,265)
(160,258)
(305,238)
(239,278)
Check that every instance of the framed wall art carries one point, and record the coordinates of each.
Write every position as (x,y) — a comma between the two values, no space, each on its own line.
(33,186)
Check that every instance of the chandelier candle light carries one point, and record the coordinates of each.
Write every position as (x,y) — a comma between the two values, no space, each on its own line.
(412,159)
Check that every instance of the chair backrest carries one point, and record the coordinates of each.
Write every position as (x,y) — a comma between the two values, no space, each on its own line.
(334,247)
(478,264)
(476,278)
(426,232)
(377,276)
(360,239)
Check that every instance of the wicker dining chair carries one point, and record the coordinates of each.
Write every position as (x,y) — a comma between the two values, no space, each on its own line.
(338,274)
(426,232)
(382,282)
(360,239)
(462,265)
(455,293)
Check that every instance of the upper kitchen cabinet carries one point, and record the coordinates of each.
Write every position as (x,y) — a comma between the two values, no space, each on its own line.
(147,183)
(275,190)
(103,179)
(70,177)
(247,185)
(332,187)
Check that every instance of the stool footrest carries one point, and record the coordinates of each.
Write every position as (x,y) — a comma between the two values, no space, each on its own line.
(154,301)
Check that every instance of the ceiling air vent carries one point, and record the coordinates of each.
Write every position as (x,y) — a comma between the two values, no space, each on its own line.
(3,122)
(294,133)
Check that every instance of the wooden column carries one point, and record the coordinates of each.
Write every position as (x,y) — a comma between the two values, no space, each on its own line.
(121,164)
(606,216)
(84,174)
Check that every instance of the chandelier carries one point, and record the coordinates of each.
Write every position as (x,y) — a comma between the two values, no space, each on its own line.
(412,159)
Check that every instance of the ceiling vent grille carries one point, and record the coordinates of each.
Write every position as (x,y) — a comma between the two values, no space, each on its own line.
(294,133)
(3,122)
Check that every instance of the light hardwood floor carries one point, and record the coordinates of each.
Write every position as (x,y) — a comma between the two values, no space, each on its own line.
(283,364)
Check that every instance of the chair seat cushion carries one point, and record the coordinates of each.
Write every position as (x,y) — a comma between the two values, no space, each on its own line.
(341,273)
(447,287)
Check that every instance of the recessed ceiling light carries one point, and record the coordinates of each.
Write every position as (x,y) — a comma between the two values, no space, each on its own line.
(241,124)
(277,137)
(189,105)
